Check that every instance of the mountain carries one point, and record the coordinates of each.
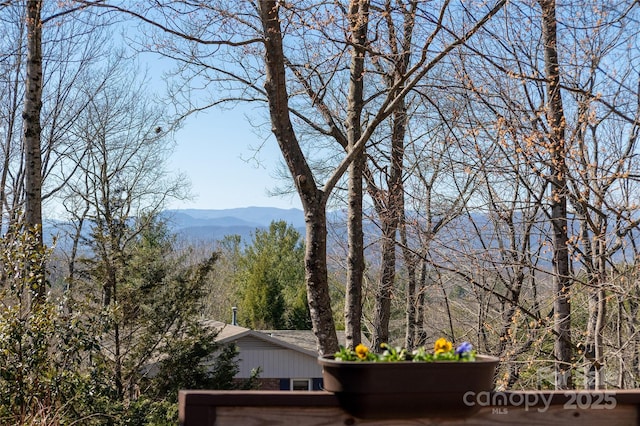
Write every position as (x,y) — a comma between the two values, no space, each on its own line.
(257,215)
(211,225)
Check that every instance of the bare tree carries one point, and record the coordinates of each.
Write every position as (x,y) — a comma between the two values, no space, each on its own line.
(533,101)
(302,87)
(359,25)
(44,66)
(554,110)
(438,192)
(120,185)
(387,195)
(32,128)
(602,173)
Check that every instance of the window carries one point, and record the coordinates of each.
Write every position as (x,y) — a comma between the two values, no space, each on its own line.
(300,384)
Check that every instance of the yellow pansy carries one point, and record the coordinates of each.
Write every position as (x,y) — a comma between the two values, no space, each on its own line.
(362,351)
(442,346)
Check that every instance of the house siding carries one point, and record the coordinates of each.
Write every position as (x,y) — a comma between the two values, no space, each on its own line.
(274,361)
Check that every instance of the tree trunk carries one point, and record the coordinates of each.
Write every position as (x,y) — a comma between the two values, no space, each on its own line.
(556,122)
(358,14)
(355,257)
(117,354)
(32,132)
(411,300)
(316,277)
(600,310)
(313,200)
(420,328)
(389,215)
(391,210)
(382,312)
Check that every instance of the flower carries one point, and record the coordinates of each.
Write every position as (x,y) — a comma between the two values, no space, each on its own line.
(464,348)
(442,351)
(442,346)
(362,351)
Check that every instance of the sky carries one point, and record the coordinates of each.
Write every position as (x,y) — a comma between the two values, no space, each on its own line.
(216,151)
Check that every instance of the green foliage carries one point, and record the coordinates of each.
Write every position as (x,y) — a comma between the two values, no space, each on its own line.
(43,348)
(163,342)
(154,321)
(225,369)
(57,363)
(271,280)
(443,351)
(145,411)
(189,366)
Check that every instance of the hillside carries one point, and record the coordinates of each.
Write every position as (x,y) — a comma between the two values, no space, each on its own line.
(211,225)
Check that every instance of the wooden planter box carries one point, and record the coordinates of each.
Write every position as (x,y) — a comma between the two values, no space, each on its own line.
(379,390)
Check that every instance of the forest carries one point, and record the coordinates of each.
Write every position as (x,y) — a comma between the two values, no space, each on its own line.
(482,156)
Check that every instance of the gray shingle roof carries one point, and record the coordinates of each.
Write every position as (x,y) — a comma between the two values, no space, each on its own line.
(301,339)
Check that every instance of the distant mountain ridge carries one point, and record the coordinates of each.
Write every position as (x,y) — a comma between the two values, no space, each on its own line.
(210,224)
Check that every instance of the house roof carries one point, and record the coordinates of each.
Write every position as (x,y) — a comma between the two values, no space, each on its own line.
(228,333)
(301,340)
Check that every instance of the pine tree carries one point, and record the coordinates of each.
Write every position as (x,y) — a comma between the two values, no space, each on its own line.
(271,280)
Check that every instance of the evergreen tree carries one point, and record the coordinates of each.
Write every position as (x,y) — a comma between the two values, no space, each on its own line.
(271,280)
(154,341)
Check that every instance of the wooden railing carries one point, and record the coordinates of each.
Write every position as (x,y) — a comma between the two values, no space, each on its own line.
(303,408)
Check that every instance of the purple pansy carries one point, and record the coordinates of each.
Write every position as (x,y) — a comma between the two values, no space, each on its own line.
(464,348)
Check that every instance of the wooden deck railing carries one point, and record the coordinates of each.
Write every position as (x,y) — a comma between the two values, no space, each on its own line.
(302,408)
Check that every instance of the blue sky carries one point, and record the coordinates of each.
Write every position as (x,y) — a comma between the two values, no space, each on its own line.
(215,150)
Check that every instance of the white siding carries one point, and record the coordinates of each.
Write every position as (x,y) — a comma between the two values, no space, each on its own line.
(275,361)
